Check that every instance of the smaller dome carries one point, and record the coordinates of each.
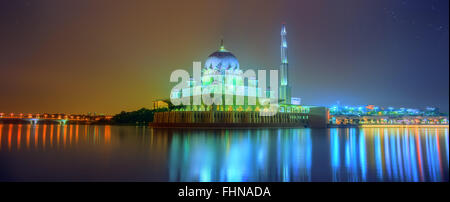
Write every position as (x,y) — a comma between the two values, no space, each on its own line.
(222,60)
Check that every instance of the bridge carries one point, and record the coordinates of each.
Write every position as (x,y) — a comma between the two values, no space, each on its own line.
(61,119)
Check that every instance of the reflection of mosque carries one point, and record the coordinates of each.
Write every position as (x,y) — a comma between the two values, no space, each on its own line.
(350,154)
(369,154)
(222,73)
(233,156)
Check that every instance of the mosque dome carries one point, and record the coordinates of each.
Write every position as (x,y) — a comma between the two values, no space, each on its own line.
(222,60)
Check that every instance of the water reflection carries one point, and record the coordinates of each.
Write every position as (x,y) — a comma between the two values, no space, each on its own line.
(389,154)
(241,155)
(42,137)
(103,152)
(356,155)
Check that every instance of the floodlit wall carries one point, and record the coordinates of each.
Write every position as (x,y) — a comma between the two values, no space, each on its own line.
(316,118)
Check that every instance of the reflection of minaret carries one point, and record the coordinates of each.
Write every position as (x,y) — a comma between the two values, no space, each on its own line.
(285,89)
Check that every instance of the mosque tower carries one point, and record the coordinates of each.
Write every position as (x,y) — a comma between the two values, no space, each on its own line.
(285,89)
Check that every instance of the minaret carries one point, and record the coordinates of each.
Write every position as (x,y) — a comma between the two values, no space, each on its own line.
(285,89)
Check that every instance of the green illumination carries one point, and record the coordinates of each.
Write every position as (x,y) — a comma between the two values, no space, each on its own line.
(222,47)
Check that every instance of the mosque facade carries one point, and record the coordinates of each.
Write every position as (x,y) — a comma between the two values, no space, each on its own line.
(221,73)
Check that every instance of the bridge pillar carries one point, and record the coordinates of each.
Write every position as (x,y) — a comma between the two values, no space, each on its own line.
(33,121)
(62,121)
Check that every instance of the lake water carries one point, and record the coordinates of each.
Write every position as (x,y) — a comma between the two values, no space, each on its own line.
(130,153)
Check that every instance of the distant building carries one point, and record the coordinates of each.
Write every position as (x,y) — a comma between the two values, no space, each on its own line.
(158,104)
(296,101)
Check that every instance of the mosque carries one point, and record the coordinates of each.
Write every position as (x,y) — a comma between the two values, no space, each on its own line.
(221,72)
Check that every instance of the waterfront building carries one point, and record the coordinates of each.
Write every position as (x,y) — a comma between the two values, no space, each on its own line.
(221,73)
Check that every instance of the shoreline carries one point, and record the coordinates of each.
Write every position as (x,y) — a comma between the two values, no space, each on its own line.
(226,126)
(389,126)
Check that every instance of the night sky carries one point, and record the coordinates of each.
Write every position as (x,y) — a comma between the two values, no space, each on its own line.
(77,56)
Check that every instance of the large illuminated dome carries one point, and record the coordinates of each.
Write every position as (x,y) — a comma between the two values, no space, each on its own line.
(222,60)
